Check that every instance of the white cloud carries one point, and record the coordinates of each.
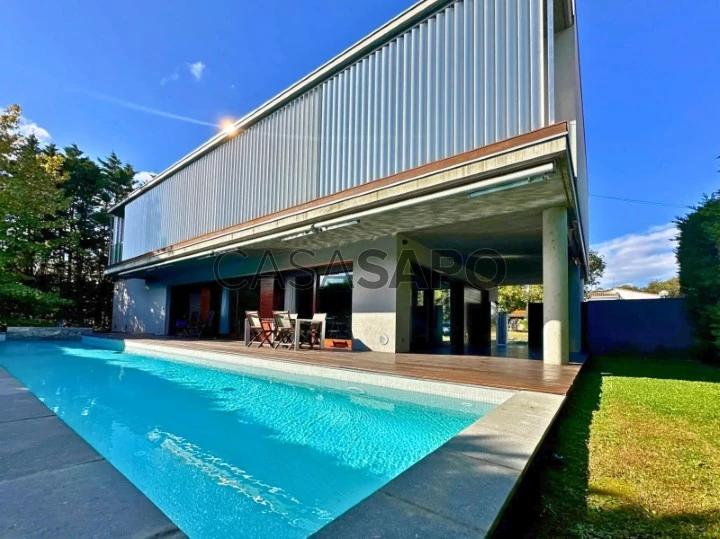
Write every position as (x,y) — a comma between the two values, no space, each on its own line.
(141,178)
(147,110)
(170,78)
(196,70)
(28,128)
(639,258)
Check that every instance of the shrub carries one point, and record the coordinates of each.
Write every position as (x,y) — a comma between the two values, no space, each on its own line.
(698,255)
(21,305)
(24,323)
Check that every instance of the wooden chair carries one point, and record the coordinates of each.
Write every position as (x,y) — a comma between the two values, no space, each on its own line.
(317,330)
(257,333)
(284,330)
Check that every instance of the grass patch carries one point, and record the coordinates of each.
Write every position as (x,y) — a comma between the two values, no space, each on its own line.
(640,442)
(517,337)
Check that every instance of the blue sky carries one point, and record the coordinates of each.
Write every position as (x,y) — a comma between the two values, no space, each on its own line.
(650,77)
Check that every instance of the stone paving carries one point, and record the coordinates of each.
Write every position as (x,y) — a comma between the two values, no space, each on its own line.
(53,484)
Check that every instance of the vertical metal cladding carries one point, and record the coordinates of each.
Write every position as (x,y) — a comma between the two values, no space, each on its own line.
(468,76)
(272,165)
(471,74)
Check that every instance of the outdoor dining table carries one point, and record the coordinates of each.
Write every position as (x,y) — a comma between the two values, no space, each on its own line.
(298,326)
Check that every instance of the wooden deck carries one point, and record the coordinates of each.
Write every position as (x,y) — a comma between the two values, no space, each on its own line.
(506,373)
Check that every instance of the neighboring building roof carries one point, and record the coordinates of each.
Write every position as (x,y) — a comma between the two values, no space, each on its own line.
(518,313)
(620,293)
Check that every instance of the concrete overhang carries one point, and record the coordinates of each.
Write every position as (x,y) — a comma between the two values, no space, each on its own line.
(419,203)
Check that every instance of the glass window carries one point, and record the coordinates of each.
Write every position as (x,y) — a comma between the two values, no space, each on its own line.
(335,299)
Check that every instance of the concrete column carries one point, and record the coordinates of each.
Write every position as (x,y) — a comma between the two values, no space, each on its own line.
(489,297)
(556,334)
(403,315)
(381,304)
(457,317)
(225,311)
(575,294)
(478,322)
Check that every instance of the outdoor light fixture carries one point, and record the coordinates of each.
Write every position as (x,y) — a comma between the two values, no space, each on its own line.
(509,185)
(299,235)
(461,190)
(325,228)
(282,236)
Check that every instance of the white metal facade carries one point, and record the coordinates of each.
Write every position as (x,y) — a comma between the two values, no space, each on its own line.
(472,73)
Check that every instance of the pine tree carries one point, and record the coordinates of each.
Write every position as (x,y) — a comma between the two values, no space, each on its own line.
(30,200)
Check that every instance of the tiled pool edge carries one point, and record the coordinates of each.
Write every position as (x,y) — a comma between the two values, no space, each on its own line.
(52,482)
(462,488)
(344,374)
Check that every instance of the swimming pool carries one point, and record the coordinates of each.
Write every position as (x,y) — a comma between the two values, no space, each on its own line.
(232,453)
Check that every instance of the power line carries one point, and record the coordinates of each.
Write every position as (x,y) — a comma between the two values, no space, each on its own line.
(646,202)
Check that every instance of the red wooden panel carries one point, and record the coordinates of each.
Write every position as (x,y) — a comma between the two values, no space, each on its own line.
(204,303)
(267,297)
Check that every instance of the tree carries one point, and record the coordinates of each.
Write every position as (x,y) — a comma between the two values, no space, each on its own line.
(698,255)
(629,286)
(93,189)
(512,298)
(80,233)
(55,228)
(30,200)
(595,271)
(671,286)
(117,183)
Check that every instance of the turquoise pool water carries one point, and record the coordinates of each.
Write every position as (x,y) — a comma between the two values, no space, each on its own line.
(229,454)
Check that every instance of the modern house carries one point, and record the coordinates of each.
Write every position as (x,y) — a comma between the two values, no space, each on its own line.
(393,188)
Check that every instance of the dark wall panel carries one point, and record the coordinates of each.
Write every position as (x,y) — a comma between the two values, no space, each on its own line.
(646,325)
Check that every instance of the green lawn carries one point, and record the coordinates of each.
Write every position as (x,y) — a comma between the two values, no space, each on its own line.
(640,447)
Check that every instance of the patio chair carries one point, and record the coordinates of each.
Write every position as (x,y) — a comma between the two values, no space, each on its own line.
(315,334)
(198,329)
(284,330)
(259,333)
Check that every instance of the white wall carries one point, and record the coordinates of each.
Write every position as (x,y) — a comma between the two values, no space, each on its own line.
(140,307)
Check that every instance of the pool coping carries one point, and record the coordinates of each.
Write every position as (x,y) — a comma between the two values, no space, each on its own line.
(53,483)
(460,489)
